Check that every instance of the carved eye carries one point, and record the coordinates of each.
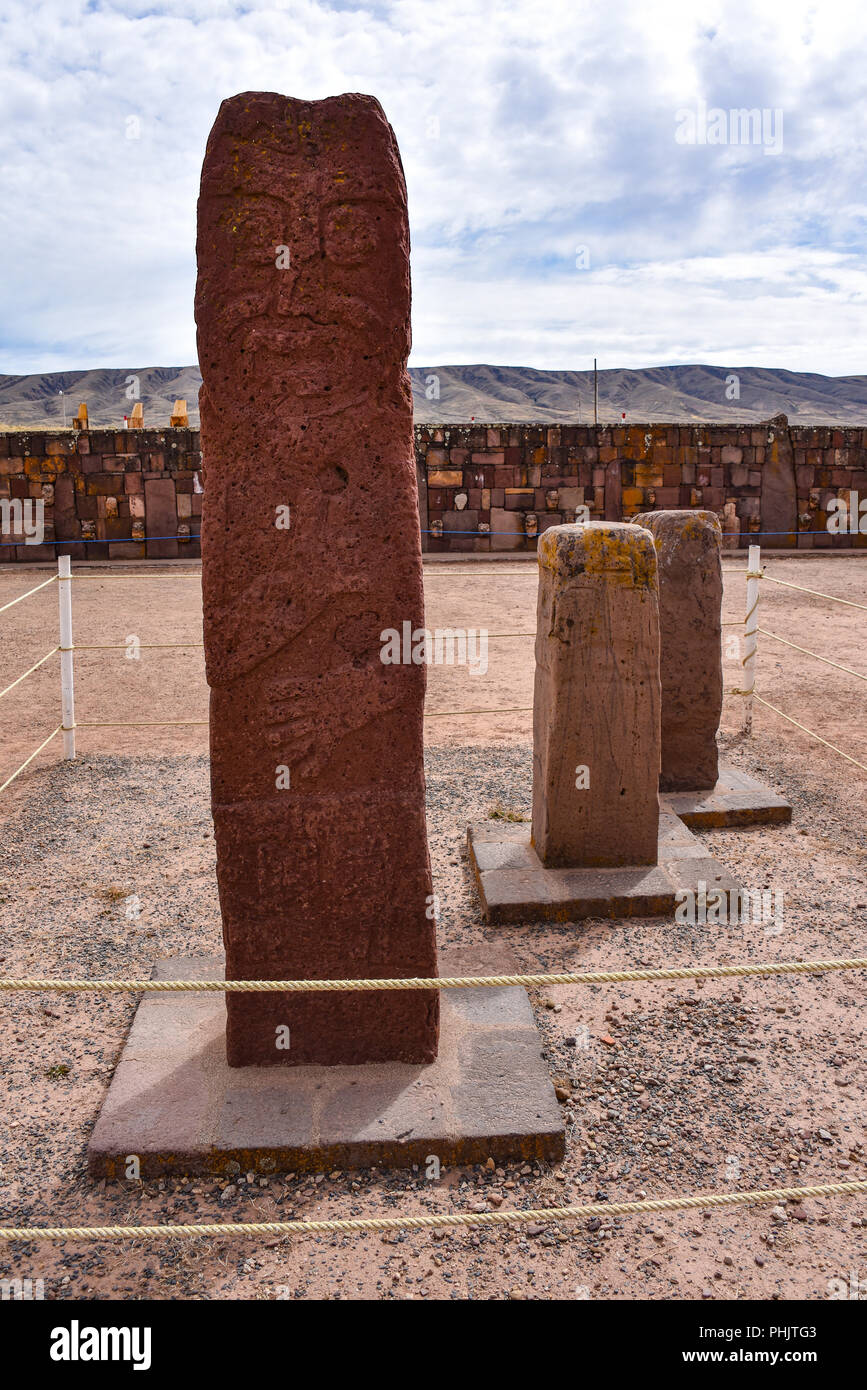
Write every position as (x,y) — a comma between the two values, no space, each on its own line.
(350,234)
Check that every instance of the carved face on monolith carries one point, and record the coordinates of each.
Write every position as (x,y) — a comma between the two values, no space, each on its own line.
(310,552)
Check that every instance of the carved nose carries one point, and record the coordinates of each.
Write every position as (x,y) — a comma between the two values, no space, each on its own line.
(300,290)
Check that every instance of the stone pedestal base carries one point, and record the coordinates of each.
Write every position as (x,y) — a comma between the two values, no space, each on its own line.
(176,1104)
(515,886)
(737,799)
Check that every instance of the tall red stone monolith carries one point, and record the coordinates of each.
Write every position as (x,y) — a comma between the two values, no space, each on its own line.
(310,550)
(596,700)
(688,546)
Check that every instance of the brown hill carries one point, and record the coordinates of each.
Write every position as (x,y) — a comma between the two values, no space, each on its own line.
(450,395)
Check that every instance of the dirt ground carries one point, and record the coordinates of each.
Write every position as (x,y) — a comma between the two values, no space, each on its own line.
(675,1088)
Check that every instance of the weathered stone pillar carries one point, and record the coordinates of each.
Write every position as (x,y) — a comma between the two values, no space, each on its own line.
(690,603)
(597,698)
(310,551)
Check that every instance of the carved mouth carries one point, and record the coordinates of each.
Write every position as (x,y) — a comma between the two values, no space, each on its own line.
(287,341)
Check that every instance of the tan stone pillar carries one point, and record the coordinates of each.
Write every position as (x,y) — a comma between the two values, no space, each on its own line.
(596,709)
(688,547)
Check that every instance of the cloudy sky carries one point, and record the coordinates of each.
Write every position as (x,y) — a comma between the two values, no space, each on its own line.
(577,183)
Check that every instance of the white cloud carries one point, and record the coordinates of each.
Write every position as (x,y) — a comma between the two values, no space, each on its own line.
(556,129)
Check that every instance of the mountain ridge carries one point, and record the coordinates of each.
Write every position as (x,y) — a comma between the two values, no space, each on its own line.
(689,393)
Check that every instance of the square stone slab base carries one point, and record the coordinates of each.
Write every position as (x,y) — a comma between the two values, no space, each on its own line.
(515,886)
(176,1103)
(737,799)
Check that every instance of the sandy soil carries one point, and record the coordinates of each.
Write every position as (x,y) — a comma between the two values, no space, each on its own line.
(674,1088)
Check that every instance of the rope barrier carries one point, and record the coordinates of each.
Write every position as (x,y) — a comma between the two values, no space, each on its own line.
(19,770)
(181,723)
(22,597)
(805,730)
(583,977)
(124,646)
(137,724)
(454,713)
(34,667)
(358,1225)
(162,646)
(171,574)
(832,598)
(795,647)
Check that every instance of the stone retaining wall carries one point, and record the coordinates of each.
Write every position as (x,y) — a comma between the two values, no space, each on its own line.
(117,495)
(513,481)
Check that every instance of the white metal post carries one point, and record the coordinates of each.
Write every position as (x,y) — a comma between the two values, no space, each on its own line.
(751,625)
(67,700)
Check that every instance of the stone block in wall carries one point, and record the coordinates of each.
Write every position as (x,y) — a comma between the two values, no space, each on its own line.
(436,459)
(519,498)
(105,484)
(161,518)
(648,475)
(442,477)
(126,550)
(465,520)
(507,530)
(570,498)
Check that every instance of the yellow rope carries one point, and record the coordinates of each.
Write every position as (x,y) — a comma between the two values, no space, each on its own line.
(178,723)
(158,646)
(356,1225)
(124,646)
(174,574)
(832,598)
(126,724)
(795,647)
(583,977)
(453,713)
(34,667)
(36,751)
(22,597)
(805,730)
